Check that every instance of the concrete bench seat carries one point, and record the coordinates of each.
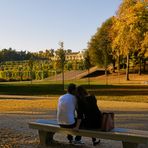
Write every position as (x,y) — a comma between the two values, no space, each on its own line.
(130,138)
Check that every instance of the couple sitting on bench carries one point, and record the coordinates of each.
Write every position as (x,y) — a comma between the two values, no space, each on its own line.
(77,100)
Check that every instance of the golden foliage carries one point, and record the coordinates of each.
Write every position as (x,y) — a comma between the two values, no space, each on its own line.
(129,27)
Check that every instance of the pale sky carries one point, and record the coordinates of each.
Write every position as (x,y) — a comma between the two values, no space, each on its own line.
(34,25)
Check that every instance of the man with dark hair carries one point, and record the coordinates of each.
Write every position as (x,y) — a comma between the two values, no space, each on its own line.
(66,111)
(71,89)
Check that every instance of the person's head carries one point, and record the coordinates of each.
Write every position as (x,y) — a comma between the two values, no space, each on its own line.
(71,88)
(81,91)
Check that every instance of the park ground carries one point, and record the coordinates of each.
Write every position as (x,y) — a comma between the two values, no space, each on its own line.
(16,113)
(20,105)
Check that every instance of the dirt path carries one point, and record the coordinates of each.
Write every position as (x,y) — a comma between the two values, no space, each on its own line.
(16,113)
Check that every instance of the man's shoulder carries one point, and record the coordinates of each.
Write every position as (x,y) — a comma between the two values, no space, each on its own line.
(70,96)
(67,95)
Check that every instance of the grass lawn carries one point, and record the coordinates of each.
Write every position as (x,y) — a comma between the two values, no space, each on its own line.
(129,91)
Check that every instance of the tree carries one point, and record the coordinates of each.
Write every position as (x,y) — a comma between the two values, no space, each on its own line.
(145,44)
(69,51)
(130,26)
(61,53)
(49,53)
(99,46)
(30,64)
(87,63)
(145,49)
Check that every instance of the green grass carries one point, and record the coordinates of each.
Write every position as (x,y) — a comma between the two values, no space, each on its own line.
(37,88)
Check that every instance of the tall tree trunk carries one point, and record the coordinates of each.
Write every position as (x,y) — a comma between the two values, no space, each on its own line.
(106,75)
(114,64)
(118,67)
(118,64)
(31,75)
(88,78)
(127,67)
(63,76)
(140,66)
(106,69)
(144,64)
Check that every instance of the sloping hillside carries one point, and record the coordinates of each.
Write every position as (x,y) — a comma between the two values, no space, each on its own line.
(68,75)
(78,74)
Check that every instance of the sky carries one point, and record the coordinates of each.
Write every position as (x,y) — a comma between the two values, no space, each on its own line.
(35,25)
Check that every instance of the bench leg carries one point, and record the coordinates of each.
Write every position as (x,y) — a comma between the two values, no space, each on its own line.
(129,145)
(46,138)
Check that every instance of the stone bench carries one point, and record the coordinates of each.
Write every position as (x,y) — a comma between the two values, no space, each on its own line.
(130,138)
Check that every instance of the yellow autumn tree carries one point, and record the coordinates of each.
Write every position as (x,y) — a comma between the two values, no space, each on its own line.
(145,45)
(129,27)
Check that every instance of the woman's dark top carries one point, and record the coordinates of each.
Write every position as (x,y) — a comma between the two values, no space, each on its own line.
(89,112)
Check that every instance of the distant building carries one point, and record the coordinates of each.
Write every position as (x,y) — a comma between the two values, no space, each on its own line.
(72,56)
(75,56)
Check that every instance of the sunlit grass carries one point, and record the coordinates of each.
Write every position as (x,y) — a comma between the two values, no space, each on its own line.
(138,98)
(36,106)
(39,105)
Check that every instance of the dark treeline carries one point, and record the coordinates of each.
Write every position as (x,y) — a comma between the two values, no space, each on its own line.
(13,55)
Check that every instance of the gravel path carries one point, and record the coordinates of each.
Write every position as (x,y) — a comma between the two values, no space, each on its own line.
(14,131)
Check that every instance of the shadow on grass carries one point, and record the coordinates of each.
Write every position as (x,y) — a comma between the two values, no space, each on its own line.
(31,89)
(57,89)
